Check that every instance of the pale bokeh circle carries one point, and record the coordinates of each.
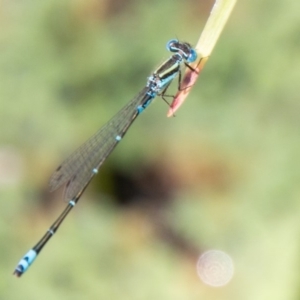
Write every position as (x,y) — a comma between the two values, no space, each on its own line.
(215,268)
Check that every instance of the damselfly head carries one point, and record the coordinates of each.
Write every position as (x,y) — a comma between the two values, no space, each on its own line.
(185,49)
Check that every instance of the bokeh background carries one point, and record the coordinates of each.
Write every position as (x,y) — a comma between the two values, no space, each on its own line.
(223,174)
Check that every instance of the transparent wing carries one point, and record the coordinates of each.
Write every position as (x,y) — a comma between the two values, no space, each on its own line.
(78,169)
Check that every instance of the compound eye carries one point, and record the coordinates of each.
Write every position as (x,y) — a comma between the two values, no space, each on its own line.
(171,45)
(192,57)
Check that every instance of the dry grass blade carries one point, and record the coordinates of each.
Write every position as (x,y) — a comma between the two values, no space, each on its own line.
(212,30)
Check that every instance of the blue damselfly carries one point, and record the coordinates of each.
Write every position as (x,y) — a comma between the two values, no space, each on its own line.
(77,170)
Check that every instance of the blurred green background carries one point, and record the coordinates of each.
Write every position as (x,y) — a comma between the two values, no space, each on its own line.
(223,174)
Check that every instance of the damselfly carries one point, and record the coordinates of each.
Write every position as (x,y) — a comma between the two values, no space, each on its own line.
(78,170)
